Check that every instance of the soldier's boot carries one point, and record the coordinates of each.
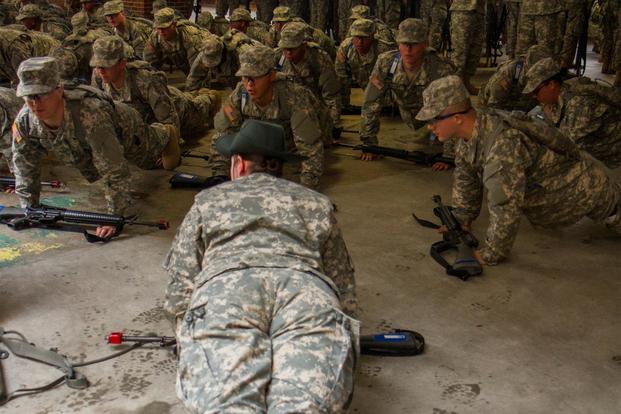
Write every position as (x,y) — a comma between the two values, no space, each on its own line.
(171,155)
(472,90)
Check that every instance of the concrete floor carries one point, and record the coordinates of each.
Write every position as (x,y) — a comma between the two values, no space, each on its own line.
(538,334)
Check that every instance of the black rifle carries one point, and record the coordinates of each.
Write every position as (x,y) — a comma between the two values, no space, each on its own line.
(190,154)
(418,157)
(185,180)
(10,182)
(196,6)
(581,53)
(455,238)
(398,343)
(495,28)
(57,218)
(445,43)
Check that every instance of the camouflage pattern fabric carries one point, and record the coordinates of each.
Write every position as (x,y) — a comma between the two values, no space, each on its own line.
(592,122)
(354,69)
(316,72)
(136,34)
(382,32)
(434,14)
(616,57)
(389,11)
(265,10)
(402,88)
(297,8)
(10,105)
(259,31)
(81,45)
(181,52)
(250,350)
(17,46)
(575,13)
(467,35)
(522,176)
(196,110)
(294,108)
(610,24)
(540,23)
(513,15)
(115,133)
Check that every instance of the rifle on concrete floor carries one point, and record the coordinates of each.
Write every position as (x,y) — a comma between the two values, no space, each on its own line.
(418,157)
(57,218)
(397,343)
(455,238)
(10,182)
(190,154)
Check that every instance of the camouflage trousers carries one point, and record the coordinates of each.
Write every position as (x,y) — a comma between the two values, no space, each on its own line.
(196,111)
(539,30)
(513,15)
(298,8)
(434,14)
(265,10)
(222,7)
(389,11)
(266,341)
(573,27)
(319,12)
(467,38)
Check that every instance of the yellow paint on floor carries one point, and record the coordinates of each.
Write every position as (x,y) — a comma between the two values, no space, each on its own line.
(10,254)
(36,247)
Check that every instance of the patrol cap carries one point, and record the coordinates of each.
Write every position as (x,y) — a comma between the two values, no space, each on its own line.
(37,75)
(534,54)
(440,94)
(107,51)
(205,19)
(360,12)
(257,137)
(412,31)
(112,7)
(240,14)
(212,52)
(158,5)
(163,18)
(539,73)
(256,61)
(281,14)
(292,35)
(79,21)
(362,28)
(29,11)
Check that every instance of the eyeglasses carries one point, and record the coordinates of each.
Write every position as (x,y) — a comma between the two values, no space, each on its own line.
(40,96)
(253,79)
(538,88)
(443,117)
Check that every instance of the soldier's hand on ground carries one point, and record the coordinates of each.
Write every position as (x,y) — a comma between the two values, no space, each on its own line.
(367,156)
(477,255)
(105,232)
(440,166)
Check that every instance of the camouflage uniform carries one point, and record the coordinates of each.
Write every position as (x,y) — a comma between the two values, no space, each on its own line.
(574,18)
(353,68)
(260,277)
(96,137)
(382,31)
(504,88)
(405,89)
(389,11)
(315,71)
(521,176)
(540,24)
(611,15)
(298,8)
(17,46)
(467,35)
(10,105)
(180,52)
(265,10)
(293,106)
(217,62)
(136,32)
(55,29)
(513,15)
(319,12)
(434,13)
(96,19)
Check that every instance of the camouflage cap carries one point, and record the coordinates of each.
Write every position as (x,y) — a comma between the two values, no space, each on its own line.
(440,94)
(256,61)
(163,18)
(362,28)
(158,5)
(412,31)
(38,75)
(534,54)
(28,11)
(113,7)
(240,14)
(205,19)
(79,21)
(212,52)
(539,73)
(257,137)
(360,12)
(107,51)
(281,14)
(292,35)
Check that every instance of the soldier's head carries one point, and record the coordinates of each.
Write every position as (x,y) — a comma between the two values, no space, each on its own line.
(293,41)
(212,51)
(412,40)
(205,20)
(240,19)
(362,31)
(79,23)
(113,11)
(67,62)
(41,88)
(88,5)
(164,23)
(30,16)
(256,69)
(360,12)
(534,54)
(158,5)
(258,146)
(544,80)
(447,109)
(282,16)
(109,59)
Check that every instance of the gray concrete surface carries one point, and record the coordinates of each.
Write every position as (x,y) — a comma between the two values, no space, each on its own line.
(538,334)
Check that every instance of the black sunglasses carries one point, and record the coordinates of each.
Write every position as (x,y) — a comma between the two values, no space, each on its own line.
(442,117)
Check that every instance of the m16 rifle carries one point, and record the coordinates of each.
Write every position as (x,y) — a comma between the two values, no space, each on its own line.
(418,157)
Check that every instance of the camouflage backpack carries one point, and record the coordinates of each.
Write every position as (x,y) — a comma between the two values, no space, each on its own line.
(587,86)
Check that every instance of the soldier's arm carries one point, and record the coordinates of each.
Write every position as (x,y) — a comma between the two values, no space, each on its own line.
(307,138)
(504,177)
(197,78)
(329,85)
(343,72)
(156,94)
(229,117)
(339,267)
(151,52)
(184,262)
(372,104)
(27,155)
(467,193)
